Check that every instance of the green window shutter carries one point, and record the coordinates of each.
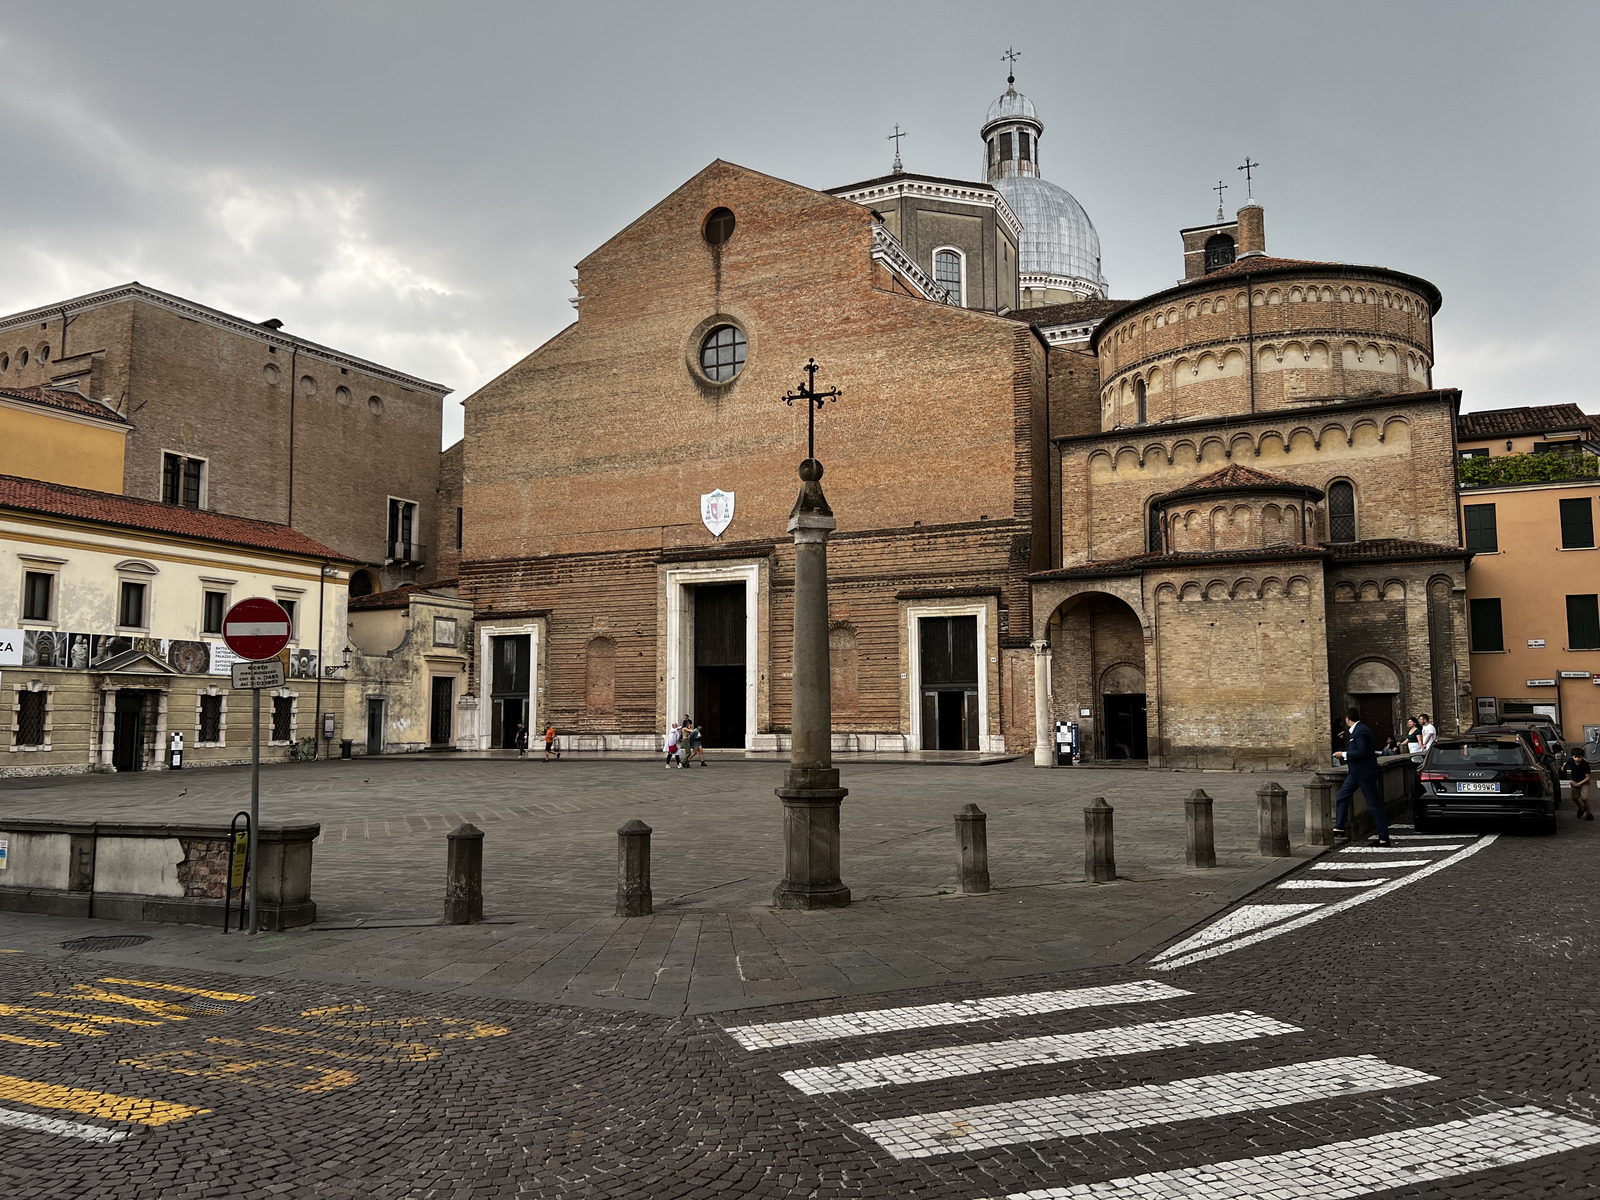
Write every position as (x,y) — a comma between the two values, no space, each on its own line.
(1577,524)
(1583,622)
(1486,632)
(1482,534)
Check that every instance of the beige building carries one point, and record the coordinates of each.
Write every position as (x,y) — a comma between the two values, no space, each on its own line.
(1528,509)
(111,632)
(405,690)
(243,417)
(58,435)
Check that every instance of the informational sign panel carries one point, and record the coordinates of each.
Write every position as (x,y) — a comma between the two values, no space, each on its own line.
(11,647)
(266,674)
(256,628)
(1541,683)
(5,853)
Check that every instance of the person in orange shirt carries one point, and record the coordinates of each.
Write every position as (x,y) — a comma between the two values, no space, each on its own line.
(550,743)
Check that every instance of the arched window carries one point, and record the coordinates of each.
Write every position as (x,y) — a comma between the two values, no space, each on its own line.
(948,274)
(1342,512)
(361,583)
(1155,539)
(1139,400)
(1219,251)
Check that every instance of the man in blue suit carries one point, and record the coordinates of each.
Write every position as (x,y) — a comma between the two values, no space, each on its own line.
(1361,756)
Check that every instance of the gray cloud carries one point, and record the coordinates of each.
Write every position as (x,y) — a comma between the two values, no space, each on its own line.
(414,182)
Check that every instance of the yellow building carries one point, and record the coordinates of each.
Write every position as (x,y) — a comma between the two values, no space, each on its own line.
(1533,591)
(59,435)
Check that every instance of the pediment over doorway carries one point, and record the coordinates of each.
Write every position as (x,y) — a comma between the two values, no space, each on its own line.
(134,662)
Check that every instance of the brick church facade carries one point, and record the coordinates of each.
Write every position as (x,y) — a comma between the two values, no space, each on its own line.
(1196,525)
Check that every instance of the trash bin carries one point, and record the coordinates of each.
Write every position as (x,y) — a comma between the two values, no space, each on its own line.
(344,748)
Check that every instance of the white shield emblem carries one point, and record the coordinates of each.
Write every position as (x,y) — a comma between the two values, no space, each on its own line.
(716,510)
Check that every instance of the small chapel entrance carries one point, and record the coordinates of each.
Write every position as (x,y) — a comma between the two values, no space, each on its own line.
(948,648)
(1122,699)
(1097,676)
(127,740)
(1373,688)
(719,663)
(510,677)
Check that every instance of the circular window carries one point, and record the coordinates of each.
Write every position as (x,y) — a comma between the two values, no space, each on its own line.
(22,358)
(308,386)
(271,372)
(342,395)
(719,226)
(375,403)
(722,353)
(5,362)
(44,353)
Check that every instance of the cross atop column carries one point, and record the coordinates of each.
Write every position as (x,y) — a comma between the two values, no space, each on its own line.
(895,138)
(1247,168)
(1219,189)
(1010,59)
(814,400)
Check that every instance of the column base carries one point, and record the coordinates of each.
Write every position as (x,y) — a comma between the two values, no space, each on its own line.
(811,840)
(808,896)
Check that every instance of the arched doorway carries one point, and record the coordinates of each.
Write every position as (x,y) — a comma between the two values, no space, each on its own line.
(1098,677)
(1373,687)
(1122,701)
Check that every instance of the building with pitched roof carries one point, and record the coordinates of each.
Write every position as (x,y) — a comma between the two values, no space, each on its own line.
(59,435)
(111,632)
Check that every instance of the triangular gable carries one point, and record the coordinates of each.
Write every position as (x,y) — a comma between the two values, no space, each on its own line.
(133,662)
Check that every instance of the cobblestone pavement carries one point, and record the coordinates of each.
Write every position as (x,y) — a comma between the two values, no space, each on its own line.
(1439,1039)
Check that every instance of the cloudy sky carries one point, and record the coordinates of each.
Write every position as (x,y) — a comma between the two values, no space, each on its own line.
(414,182)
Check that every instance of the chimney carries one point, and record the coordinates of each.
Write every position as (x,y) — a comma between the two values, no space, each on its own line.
(1252,231)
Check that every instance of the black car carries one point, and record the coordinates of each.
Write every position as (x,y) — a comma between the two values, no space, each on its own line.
(1477,775)
(1533,737)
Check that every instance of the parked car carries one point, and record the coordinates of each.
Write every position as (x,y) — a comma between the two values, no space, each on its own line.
(1548,731)
(1485,774)
(1534,738)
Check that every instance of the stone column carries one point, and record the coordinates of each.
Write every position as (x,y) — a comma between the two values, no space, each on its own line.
(1044,747)
(811,793)
(633,870)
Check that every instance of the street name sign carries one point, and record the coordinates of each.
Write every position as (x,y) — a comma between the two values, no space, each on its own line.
(1541,683)
(256,628)
(267,673)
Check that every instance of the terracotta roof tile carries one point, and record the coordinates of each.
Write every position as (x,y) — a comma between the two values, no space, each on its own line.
(1074,313)
(1503,422)
(107,508)
(399,597)
(67,400)
(1262,262)
(1376,548)
(1237,478)
(1393,548)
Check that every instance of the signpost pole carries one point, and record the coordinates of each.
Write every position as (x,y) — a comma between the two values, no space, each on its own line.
(255,801)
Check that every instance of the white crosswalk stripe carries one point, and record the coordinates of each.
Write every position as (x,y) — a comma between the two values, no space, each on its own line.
(1085,1113)
(1360,1167)
(948,1062)
(959,1012)
(1394,849)
(1386,865)
(1295,885)
(73,1129)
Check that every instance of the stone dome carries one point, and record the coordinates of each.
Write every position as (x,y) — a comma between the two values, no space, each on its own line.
(1012,105)
(1058,239)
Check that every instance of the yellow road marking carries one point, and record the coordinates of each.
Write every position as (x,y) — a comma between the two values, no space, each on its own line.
(162,1010)
(95,1104)
(412,1052)
(204,1065)
(10,951)
(241,997)
(348,1016)
(22,1041)
(77,1022)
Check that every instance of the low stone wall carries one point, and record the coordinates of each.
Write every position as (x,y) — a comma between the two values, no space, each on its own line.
(131,872)
(1398,787)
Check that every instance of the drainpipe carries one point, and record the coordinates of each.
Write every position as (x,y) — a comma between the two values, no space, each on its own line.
(294,356)
(316,725)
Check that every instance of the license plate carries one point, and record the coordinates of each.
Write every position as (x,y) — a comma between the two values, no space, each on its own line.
(1477,787)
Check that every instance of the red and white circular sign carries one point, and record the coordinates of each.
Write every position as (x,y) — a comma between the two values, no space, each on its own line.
(256,628)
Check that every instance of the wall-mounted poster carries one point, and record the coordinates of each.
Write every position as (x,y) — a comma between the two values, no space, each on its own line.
(104,646)
(302,664)
(189,658)
(78,651)
(10,647)
(222,659)
(445,631)
(44,648)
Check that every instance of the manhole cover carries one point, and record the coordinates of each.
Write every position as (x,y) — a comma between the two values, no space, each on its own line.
(119,942)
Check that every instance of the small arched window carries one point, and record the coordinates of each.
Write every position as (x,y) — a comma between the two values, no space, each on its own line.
(1139,400)
(947,274)
(1342,512)
(1219,251)
(1155,538)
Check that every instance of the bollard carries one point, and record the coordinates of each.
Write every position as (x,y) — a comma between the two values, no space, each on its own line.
(1319,813)
(1099,855)
(463,884)
(633,870)
(1200,849)
(972,835)
(1272,821)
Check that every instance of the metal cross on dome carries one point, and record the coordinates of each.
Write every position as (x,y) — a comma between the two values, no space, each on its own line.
(1219,189)
(895,138)
(807,391)
(1247,168)
(1010,59)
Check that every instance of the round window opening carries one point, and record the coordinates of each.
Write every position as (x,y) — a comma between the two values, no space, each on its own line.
(722,353)
(719,226)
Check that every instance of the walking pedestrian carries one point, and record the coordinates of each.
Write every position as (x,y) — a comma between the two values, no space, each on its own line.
(1582,780)
(672,746)
(697,748)
(550,743)
(1428,731)
(1413,735)
(1361,756)
(521,740)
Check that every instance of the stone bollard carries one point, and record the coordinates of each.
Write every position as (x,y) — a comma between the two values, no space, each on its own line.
(1272,817)
(1099,854)
(972,835)
(463,884)
(1200,848)
(1319,812)
(633,870)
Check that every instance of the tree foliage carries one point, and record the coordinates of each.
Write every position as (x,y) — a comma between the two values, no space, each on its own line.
(1504,469)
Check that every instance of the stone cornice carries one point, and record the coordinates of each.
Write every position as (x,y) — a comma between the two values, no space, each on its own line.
(887,248)
(220,320)
(1260,341)
(976,194)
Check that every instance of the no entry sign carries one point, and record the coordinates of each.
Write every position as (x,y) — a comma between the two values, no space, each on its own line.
(256,628)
